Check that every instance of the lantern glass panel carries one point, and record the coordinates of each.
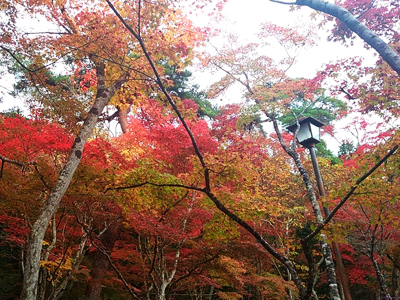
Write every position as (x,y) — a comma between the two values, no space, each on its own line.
(315,131)
(304,133)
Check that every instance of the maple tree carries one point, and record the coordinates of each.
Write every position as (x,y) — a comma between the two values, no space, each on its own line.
(371,233)
(272,92)
(155,210)
(41,149)
(85,35)
(261,89)
(207,189)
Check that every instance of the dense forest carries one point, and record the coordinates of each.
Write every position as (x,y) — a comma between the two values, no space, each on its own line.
(191,199)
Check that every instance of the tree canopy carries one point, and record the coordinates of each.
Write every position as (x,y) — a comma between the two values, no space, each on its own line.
(192,199)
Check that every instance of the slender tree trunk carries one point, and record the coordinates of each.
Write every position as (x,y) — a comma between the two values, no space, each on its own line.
(101,263)
(123,117)
(34,243)
(211,292)
(395,283)
(163,288)
(80,254)
(326,250)
(42,284)
(291,296)
(384,291)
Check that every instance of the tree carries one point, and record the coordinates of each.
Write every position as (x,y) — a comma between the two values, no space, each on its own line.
(346,148)
(40,149)
(274,94)
(183,90)
(207,188)
(366,219)
(86,35)
(168,153)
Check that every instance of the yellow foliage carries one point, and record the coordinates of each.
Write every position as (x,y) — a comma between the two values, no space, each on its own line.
(58,268)
(229,295)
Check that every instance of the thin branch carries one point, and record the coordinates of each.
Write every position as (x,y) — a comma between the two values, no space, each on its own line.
(283,2)
(350,193)
(47,65)
(192,270)
(121,277)
(18,61)
(367,9)
(104,252)
(139,16)
(41,178)
(45,32)
(22,165)
(349,96)
(2,167)
(164,213)
(246,85)
(155,254)
(155,184)
(15,162)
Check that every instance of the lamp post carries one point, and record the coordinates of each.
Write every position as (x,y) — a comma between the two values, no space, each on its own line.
(308,136)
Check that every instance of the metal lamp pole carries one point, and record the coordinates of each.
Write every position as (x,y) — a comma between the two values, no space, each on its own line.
(335,246)
(308,134)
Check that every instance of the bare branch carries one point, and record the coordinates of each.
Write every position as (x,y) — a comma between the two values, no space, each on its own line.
(121,277)
(22,165)
(155,184)
(367,9)
(283,2)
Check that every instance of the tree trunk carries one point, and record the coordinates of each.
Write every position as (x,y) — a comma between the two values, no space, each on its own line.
(101,263)
(123,117)
(34,243)
(42,284)
(80,254)
(211,292)
(395,283)
(326,250)
(384,292)
(163,288)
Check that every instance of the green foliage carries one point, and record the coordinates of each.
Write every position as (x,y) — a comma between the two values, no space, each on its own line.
(323,108)
(346,148)
(303,232)
(184,90)
(323,151)
(250,119)
(12,112)
(220,229)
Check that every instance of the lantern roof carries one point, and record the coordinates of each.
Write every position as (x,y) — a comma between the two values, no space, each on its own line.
(293,127)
